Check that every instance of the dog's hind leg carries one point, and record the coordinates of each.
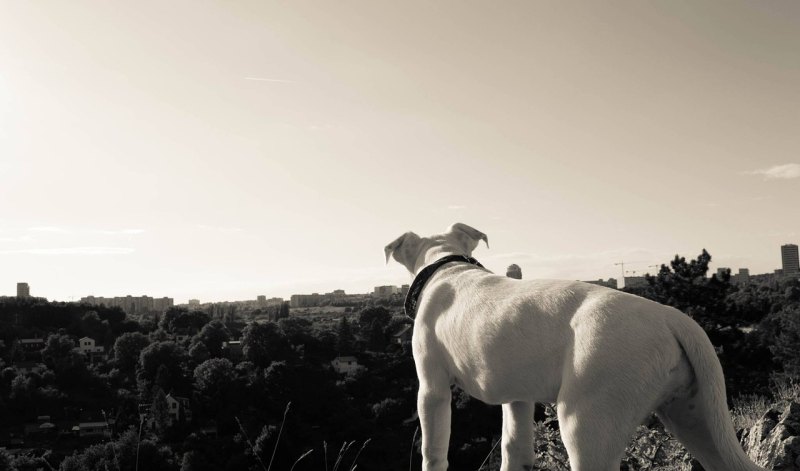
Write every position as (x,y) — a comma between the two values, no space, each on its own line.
(597,422)
(517,436)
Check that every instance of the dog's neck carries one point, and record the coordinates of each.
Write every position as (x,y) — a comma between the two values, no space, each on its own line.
(433,254)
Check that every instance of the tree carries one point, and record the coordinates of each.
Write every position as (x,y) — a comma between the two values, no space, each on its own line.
(373,322)
(213,378)
(370,315)
(263,343)
(181,318)
(296,329)
(786,346)
(127,453)
(345,340)
(127,349)
(93,327)
(172,358)
(199,352)
(685,286)
(212,335)
(5,461)
(376,340)
(60,353)
(159,410)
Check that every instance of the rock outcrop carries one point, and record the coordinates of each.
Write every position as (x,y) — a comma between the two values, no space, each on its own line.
(774,441)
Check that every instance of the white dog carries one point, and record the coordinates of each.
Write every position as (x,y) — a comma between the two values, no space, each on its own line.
(605,357)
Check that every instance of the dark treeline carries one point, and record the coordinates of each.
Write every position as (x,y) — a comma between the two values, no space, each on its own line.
(238,394)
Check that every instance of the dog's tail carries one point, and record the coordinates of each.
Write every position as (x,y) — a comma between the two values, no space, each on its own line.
(702,421)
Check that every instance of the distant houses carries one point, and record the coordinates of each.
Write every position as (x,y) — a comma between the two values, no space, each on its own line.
(346,365)
(32,350)
(232,349)
(92,352)
(178,410)
(403,335)
(31,345)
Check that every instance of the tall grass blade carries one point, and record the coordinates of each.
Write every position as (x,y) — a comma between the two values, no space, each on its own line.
(278,440)
(301,457)
(252,448)
(353,465)
(490,454)
(411,453)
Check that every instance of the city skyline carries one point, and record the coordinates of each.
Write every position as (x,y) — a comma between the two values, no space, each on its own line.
(228,150)
(789,259)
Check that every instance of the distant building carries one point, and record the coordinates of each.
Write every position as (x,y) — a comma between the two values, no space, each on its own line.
(163,304)
(313,299)
(611,283)
(635,281)
(93,428)
(87,347)
(404,290)
(305,300)
(31,345)
(86,344)
(262,301)
(131,304)
(194,303)
(721,272)
(178,409)
(385,291)
(23,290)
(233,350)
(346,365)
(790,260)
(743,277)
(404,335)
(514,271)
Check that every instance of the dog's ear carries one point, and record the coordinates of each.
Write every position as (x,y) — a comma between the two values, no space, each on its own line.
(468,236)
(400,247)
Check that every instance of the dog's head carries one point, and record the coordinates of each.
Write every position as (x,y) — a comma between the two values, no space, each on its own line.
(409,249)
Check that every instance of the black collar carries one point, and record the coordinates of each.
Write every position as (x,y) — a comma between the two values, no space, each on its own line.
(415,290)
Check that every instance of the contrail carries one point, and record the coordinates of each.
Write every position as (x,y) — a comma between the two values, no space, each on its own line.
(263,79)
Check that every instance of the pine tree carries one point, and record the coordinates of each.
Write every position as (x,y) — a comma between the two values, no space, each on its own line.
(345,340)
(160,411)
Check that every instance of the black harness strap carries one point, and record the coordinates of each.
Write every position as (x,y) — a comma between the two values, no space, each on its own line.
(414,292)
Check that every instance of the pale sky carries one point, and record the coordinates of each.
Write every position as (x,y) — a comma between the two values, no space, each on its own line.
(222,150)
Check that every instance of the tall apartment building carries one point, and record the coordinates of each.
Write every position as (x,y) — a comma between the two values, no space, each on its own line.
(743,276)
(790,259)
(132,304)
(23,290)
(385,291)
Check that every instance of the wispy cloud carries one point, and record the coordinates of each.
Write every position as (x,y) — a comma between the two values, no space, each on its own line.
(120,232)
(268,79)
(456,207)
(72,251)
(16,239)
(206,227)
(56,229)
(778,172)
(72,230)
